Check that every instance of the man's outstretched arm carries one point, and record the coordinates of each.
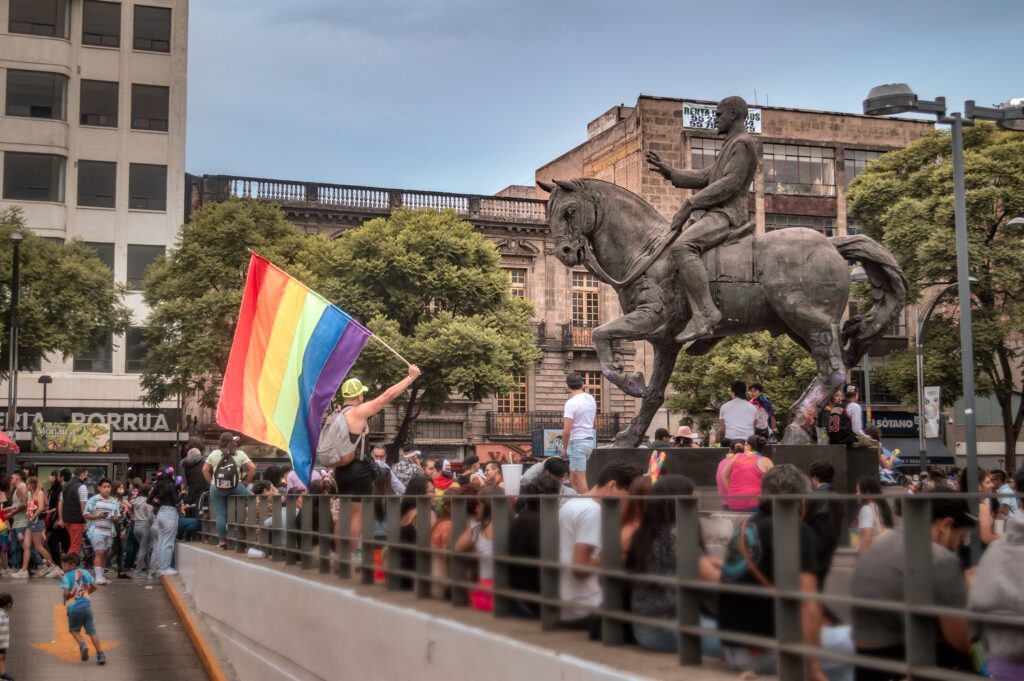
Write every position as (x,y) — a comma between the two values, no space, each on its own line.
(368,409)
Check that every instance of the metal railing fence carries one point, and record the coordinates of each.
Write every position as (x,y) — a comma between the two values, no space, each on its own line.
(335,551)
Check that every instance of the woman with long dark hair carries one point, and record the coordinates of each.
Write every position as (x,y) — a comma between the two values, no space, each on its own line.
(57,539)
(653,552)
(874,517)
(479,537)
(417,488)
(163,497)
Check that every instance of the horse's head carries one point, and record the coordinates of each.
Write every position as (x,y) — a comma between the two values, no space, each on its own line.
(573,213)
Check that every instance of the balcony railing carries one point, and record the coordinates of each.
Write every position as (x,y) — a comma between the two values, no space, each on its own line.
(377,199)
(540,330)
(522,425)
(578,336)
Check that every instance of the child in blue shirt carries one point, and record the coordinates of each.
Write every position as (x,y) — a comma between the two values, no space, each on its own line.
(78,584)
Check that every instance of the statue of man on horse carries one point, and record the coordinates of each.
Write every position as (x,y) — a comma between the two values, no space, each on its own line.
(698,281)
(723,198)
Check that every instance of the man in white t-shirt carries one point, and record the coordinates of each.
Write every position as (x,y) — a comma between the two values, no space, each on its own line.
(737,416)
(854,411)
(579,541)
(578,435)
(101,511)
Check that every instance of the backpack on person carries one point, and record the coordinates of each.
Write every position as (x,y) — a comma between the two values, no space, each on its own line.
(335,443)
(225,475)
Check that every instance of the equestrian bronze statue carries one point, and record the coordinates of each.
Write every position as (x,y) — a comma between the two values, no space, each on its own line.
(699,279)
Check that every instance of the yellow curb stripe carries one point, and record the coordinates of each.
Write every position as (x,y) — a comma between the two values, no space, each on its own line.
(206,656)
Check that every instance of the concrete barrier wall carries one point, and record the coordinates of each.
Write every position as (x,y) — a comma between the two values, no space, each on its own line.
(278,626)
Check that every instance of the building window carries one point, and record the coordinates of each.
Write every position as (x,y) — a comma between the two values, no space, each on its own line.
(854,227)
(517,285)
(856,160)
(147,187)
(792,169)
(586,309)
(149,107)
(514,401)
(37,94)
(592,384)
(101,23)
(97,182)
(826,226)
(98,359)
(33,177)
(98,103)
(39,17)
(134,350)
(104,251)
(439,430)
(152,29)
(703,151)
(899,325)
(139,258)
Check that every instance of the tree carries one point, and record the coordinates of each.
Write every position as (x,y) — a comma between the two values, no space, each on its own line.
(430,286)
(701,384)
(196,289)
(67,296)
(905,200)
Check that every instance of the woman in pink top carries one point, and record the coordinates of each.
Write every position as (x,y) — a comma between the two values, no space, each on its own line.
(742,475)
(723,489)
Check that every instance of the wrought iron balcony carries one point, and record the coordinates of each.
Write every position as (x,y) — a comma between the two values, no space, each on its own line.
(521,425)
(540,330)
(578,336)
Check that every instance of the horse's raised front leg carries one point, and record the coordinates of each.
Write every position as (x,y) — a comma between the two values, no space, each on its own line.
(664,363)
(633,326)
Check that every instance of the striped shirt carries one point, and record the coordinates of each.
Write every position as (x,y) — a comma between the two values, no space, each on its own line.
(5,629)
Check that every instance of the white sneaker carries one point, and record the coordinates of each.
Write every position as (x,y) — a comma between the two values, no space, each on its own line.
(101,580)
(170,572)
(54,572)
(20,574)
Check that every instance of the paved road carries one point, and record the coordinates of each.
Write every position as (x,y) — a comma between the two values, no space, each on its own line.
(135,622)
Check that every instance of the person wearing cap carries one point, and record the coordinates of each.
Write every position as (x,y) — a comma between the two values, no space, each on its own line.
(662,438)
(353,473)
(408,467)
(879,576)
(853,410)
(470,465)
(686,437)
(228,446)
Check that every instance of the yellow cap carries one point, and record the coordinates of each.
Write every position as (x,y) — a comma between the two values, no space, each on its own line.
(353,387)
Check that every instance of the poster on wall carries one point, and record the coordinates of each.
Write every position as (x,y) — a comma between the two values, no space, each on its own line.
(702,117)
(932,410)
(70,437)
(552,442)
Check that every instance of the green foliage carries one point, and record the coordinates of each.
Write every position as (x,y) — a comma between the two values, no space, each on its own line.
(431,287)
(196,289)
(701,384)
(67,295)
(905,200)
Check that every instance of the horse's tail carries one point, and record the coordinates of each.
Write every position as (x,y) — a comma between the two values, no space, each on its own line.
(888,293)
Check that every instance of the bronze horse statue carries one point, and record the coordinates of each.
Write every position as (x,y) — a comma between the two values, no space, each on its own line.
(791,281)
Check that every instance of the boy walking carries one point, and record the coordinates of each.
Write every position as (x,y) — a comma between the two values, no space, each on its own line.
(6,603)
(78,584)
(101,511)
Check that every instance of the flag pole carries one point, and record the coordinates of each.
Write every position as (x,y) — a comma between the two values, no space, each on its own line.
(395,352)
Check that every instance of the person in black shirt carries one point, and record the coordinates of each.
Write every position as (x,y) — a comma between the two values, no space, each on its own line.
(824,517)
(749,560)
(57,538)
(524,542)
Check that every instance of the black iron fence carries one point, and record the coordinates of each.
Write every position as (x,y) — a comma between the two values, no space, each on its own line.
(283,528)
(523,424)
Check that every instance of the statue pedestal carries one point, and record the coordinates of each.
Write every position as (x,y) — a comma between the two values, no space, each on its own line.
(701,464)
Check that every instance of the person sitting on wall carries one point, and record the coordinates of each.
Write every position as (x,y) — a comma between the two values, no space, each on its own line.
(685,437)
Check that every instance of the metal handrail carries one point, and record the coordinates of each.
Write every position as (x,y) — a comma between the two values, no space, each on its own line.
(292,544)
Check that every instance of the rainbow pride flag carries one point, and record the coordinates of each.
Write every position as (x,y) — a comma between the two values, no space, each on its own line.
(291,351)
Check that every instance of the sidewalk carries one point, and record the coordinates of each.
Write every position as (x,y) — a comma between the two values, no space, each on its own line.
(136,623)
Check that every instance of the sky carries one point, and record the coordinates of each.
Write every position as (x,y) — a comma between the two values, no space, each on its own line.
(470,96)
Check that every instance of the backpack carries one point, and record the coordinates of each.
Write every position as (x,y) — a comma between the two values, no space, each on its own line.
(335,443)
(225,475)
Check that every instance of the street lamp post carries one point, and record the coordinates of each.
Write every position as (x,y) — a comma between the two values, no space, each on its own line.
(12,346)
(922,323)
(45,380)
(897,98)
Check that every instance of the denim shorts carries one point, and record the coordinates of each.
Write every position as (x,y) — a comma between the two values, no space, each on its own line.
(79,618)
(579,452)
(101,542)
(37,525)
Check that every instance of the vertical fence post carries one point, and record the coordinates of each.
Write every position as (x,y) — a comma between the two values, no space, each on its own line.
(500,522)
(324,534)
(424,557)
(393,553)
(251,519)
(613,629)
(687,568)
(786,539)
(309,507)
(277,528)
(368,543)
(550,615)
(345,538)
(919,632)
(239,520)
(460,521)
(289,530)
